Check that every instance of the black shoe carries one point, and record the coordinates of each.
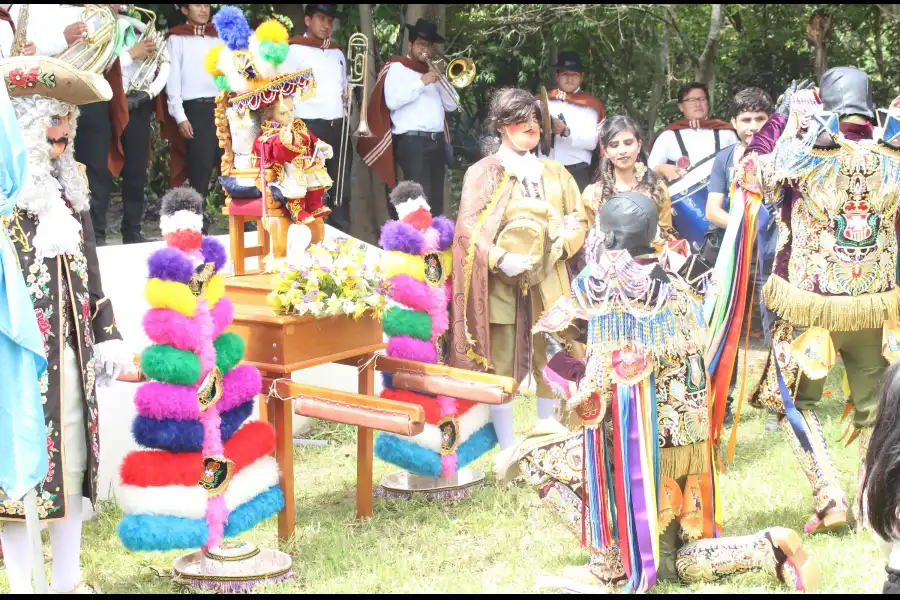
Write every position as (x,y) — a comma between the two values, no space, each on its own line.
(135,239)
(729,414)
(99,242)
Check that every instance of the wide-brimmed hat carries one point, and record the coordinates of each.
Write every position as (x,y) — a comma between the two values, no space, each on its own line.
(426,30)
(569,61)
(329,9)
(52,78)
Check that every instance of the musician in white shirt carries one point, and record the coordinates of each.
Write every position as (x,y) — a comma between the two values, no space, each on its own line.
(695,137)
(418,104)
(191,93)
(324,113)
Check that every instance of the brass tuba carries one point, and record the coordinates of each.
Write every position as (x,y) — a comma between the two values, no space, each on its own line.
(95,52)
(358,60)
(151,75)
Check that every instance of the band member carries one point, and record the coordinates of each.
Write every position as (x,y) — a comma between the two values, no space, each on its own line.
(101,124)
(407,116)
(511,203)
(576,115)
(8,34)
(191,97)
(53,239)
(833,290)
(324,114)
(685,143)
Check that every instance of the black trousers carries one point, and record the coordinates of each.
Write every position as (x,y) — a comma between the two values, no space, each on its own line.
(422,160)
(136,146)
(330,133)
(92,150)
(203,151)
(582,174)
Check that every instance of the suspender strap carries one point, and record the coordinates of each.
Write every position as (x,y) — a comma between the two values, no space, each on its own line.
(681,145)
(718,140)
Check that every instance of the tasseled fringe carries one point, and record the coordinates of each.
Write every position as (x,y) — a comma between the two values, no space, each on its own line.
(834,313)
(477,358)
(684,460)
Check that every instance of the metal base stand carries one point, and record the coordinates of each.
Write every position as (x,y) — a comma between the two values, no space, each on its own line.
(405,486)
(233,567)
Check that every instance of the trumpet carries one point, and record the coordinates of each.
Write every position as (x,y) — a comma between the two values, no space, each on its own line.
(457,74)
(358,60)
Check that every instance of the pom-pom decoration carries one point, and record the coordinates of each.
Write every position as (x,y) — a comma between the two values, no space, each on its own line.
(211,62)
(272,31)
(233,28)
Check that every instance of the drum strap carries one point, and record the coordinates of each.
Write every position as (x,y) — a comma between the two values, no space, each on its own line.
(681,145)
(718,140)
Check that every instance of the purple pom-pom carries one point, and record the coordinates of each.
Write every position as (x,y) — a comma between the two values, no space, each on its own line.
(446,227)
(397,236)
(170,264)
(233,28)
(214,252)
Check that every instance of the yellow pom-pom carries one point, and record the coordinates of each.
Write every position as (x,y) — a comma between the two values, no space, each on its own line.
(212,61)
(172,295)
(399,263)
(272,31)
(215,290)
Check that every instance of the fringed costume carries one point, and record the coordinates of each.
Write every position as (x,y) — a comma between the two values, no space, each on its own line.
(206,473)
(634,479)
(418,266)
(834,289)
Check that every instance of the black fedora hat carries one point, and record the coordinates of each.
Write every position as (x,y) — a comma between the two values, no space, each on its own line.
(329,9)
(426,30)
(569,61)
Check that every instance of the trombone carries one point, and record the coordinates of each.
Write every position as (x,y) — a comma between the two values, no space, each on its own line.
(458,74)
(358,60)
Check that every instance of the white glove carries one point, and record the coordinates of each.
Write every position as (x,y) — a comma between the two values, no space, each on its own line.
(571,222)
(514,265)
(110,358)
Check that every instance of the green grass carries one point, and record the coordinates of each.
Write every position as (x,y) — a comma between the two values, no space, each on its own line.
(499,540)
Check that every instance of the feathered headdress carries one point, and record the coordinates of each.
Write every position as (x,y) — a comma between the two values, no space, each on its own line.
(251,64)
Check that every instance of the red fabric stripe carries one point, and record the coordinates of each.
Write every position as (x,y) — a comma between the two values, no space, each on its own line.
(428,404)
(622,508)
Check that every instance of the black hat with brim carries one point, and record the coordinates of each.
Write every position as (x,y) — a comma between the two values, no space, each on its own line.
(329,9)
(426,30)
(569,61)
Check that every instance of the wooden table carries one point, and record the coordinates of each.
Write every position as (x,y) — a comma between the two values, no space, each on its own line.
(279,346)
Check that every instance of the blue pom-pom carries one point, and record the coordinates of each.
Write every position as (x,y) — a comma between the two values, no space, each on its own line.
(185,436)
(233,28)
(479,443)
(214,252)
(387,380)
(250,514)
(152,533)
(446,227)
(407,455)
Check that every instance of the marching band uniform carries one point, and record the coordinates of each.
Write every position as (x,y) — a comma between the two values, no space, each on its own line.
(834,288)
(324,113)
(7,33)
(408,119)
(581,113)
(634,479)
(191,96)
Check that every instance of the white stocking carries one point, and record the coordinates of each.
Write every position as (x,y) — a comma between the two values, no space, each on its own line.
(17,556)
(65,540)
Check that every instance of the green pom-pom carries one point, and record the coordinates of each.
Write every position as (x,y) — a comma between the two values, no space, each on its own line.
(273,52)
(229,351)
(401,321)
(170,365)
(221,82)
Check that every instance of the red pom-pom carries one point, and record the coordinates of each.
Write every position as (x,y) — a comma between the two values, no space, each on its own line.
(185,240)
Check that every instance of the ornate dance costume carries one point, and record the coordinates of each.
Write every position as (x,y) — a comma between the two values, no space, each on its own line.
(634,480)
(834,288)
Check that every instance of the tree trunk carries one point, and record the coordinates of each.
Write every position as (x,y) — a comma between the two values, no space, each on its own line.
(554,56)
(705,72)
(295,12)
(369,203)
(659,80)
(414,12)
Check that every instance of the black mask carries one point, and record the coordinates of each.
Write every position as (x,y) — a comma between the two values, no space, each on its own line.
(629,221)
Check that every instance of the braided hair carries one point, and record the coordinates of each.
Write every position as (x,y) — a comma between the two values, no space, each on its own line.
(605,176)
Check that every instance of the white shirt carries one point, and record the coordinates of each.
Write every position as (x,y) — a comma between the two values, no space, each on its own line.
(330,70)
(700,143)
(6,39)
(415,106)
(188,77)
(46,26)
(582,141)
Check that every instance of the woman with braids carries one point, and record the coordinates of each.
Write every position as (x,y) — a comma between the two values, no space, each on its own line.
(520,218)
(623,168)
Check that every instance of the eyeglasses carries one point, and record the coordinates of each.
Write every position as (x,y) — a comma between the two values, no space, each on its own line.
(695,101)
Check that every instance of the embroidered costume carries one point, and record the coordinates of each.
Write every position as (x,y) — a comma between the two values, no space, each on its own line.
(418,268)
(634,480)
(834,288)
(206,473)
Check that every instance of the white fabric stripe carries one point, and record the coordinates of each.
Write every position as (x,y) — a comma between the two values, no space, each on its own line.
(378,150)
(190,501)
(181,221)
(411,206)
(469,424)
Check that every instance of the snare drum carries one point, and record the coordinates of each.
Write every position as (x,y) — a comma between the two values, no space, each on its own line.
(689,202)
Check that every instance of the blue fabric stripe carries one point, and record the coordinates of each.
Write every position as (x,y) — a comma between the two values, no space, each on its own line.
(408,455)
(185,436)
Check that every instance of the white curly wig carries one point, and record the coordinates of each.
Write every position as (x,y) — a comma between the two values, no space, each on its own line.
(49,181)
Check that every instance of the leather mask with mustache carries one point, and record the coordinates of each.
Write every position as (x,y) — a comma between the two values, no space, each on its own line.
(61,140)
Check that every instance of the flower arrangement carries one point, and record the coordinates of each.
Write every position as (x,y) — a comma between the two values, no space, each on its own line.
(335,277)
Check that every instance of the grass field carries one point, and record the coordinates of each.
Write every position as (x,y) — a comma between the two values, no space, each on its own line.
(498,540)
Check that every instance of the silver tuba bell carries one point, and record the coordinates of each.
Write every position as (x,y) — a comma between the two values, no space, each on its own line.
(151,73)
(95,53)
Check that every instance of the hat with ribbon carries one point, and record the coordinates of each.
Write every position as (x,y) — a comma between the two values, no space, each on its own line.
(251,65)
